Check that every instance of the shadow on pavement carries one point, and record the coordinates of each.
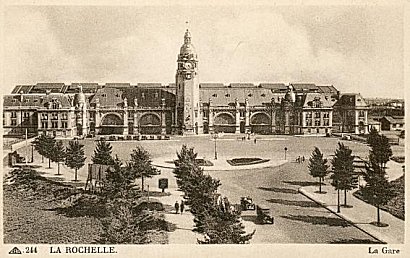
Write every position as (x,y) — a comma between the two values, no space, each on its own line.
(355,241)
(75,183)
(301,183)
(56,179)
(319,220)
(306,204)
(251,218)
(279,190)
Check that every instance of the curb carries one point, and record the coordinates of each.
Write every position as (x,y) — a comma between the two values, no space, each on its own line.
(210,168)
(161,166)
(303,192)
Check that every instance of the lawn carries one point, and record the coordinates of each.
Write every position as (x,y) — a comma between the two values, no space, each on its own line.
(395,206)
(37,210)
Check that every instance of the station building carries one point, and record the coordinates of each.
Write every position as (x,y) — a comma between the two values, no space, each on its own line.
(184,107)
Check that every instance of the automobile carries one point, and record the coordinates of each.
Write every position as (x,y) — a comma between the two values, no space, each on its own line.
(263,215)
(247,203)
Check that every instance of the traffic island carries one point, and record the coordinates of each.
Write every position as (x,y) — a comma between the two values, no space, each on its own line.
(245,161)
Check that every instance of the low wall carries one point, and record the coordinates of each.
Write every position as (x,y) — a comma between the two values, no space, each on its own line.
(21,144)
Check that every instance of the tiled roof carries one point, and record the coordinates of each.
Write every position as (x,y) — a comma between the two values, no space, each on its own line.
(241,85)
(307,100)
(146,97)
(327,89)
(88,87)
(35,100)
(44,87)
(211,85)
(108,97)
(351,100)
(225,96)
(395,119)
(149,85)
(273,86)
(305,87)
(22,89)
(117,85)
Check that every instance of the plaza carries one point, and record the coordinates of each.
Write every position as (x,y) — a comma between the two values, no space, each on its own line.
(275,184)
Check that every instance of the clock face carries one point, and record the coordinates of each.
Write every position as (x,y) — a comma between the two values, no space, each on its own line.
(188,65)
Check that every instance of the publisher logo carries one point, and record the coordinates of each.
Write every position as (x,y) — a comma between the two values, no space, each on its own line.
(15,250)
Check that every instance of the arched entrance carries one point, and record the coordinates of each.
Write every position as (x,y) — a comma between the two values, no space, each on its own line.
(206,127)
(111,124)
(260,123)
(224,122)
(150,124)
(242,127)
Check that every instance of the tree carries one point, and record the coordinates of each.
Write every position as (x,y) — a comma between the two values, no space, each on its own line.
(44,145)
(219,222)
(377,190)
(318,166)
(126,222)
(343,176)
(58,154)
(49,146)
(75,157)
(185,164)
(140,165)
(123,224)
(39,144)
(373,137)
(102,153)
(119,181)
(381,151)
(221,225)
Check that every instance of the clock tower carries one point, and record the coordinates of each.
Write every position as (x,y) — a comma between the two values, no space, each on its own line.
(188,116)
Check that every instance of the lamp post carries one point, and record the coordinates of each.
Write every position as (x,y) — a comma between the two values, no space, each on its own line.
(26,148)
(32,153)
(286,149)
(215,136)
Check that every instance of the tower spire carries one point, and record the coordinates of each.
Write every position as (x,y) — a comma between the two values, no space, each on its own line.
(187,36)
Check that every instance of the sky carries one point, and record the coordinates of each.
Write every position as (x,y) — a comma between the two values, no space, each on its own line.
(355,48)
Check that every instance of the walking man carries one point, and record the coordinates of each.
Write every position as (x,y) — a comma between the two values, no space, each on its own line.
(182,206)
(176,207)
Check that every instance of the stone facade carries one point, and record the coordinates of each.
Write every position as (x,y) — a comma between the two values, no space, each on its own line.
(184,107)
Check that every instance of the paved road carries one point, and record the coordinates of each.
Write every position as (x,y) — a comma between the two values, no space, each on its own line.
(297,219)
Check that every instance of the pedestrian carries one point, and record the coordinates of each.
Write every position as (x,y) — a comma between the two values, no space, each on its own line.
(303,159)
(176,207)
(182,206)
(254,140)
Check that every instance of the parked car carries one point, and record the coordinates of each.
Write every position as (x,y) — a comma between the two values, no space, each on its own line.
(247,203)
(263,215)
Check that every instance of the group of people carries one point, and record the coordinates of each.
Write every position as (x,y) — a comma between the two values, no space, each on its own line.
(179,207)
(300,159)
(244,138)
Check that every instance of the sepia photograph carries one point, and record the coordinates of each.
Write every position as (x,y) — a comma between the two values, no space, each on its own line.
(160,124)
